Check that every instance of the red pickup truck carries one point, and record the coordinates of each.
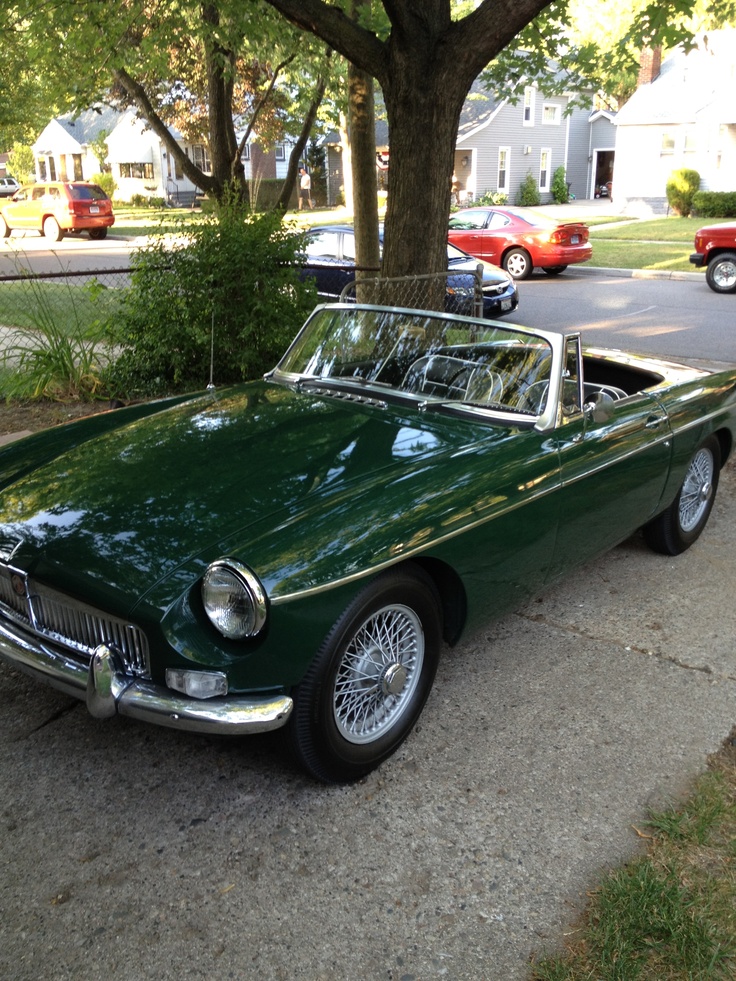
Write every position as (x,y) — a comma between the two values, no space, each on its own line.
(715,248)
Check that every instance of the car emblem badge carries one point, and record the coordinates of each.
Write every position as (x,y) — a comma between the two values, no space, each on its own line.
(19,586)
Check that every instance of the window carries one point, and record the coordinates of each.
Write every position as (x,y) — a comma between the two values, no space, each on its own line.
(504,153)
(199,157)
(323,244)
(571,390)
(246,152)
(550,114)
(143,171)
(77,161)
(545,158)
(668,143)
(280,151)
(691,142)
(529,106)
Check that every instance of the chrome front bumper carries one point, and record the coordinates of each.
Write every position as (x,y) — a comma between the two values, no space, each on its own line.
(108,691)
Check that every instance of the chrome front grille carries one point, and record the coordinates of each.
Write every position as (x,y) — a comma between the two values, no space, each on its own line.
(69,623)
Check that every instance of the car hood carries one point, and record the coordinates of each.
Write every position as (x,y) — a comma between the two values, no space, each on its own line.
(119,510)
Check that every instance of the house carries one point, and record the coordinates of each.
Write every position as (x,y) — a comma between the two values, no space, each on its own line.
(499,143)
(682,115)
(140,164)
(67,149)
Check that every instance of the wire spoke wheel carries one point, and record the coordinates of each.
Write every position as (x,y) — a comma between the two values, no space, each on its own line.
(697,489)
(368,683)
(378,673)
(681,524)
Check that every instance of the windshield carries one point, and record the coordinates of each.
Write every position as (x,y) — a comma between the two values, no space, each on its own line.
(428,357)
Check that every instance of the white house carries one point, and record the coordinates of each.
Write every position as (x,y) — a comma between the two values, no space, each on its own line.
(139,162)
(65,150)
(683,114)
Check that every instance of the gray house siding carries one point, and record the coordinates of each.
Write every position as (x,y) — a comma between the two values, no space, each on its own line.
(578,150)
(565,140)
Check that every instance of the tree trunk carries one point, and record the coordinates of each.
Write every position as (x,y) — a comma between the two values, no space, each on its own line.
(227,165)
(423,116)
(301,144)
(362,128)
(425,68)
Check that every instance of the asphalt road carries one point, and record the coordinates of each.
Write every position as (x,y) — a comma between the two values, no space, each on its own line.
(29,250)
(130,852)
(675,316)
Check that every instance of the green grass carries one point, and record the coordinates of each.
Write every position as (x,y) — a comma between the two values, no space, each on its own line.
(78,308)
(655,230)
(663,256)
(670,915)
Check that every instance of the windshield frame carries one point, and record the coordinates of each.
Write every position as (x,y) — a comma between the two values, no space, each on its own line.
(311,362)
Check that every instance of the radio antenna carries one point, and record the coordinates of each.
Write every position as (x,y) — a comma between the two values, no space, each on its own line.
(211,384)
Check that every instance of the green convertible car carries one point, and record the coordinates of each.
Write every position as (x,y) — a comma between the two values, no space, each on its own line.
(292,552)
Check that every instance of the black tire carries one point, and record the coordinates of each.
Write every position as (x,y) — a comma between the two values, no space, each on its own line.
(721,273)
(98,233)
(4,228)
(518,263)
(675,530)
(52,230)
(554,270)
(367,686)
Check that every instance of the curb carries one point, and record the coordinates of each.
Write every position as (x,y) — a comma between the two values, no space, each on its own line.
(636,273)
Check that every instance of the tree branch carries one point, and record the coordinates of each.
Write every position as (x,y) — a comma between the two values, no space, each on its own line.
(262,102)
(138,95)
(357,44)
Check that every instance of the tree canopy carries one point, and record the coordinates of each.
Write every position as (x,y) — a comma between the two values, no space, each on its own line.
(205,68)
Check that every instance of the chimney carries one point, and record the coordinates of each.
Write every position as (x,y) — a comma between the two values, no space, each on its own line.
(650,63)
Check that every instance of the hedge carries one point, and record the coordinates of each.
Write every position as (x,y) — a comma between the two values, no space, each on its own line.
(714,204)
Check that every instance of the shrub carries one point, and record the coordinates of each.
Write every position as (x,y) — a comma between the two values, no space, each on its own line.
(681,187)
(229,295)
(528,193)
(715,204)
(21,164)
(560,190)
(106,182)
(491,199)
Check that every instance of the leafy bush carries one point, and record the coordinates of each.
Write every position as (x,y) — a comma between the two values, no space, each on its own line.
(560,190)
(106,182)
(528,193)
(228,294)
(491,199)
(21,164)
(714,204)
(681,188)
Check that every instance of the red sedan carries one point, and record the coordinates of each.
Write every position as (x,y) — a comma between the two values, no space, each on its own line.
(518,239)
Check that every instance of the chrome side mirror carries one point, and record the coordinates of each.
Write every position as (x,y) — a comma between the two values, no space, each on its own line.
(598,407)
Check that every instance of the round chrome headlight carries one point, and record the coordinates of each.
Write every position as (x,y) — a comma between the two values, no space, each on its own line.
(234,599)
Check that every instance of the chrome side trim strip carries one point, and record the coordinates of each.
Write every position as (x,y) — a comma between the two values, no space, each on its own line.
(108,692)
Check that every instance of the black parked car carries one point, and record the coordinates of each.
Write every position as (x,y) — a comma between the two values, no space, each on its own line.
(330,260)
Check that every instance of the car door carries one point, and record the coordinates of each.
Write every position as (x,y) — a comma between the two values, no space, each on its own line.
(483,233)
(19,213)
(613,466)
